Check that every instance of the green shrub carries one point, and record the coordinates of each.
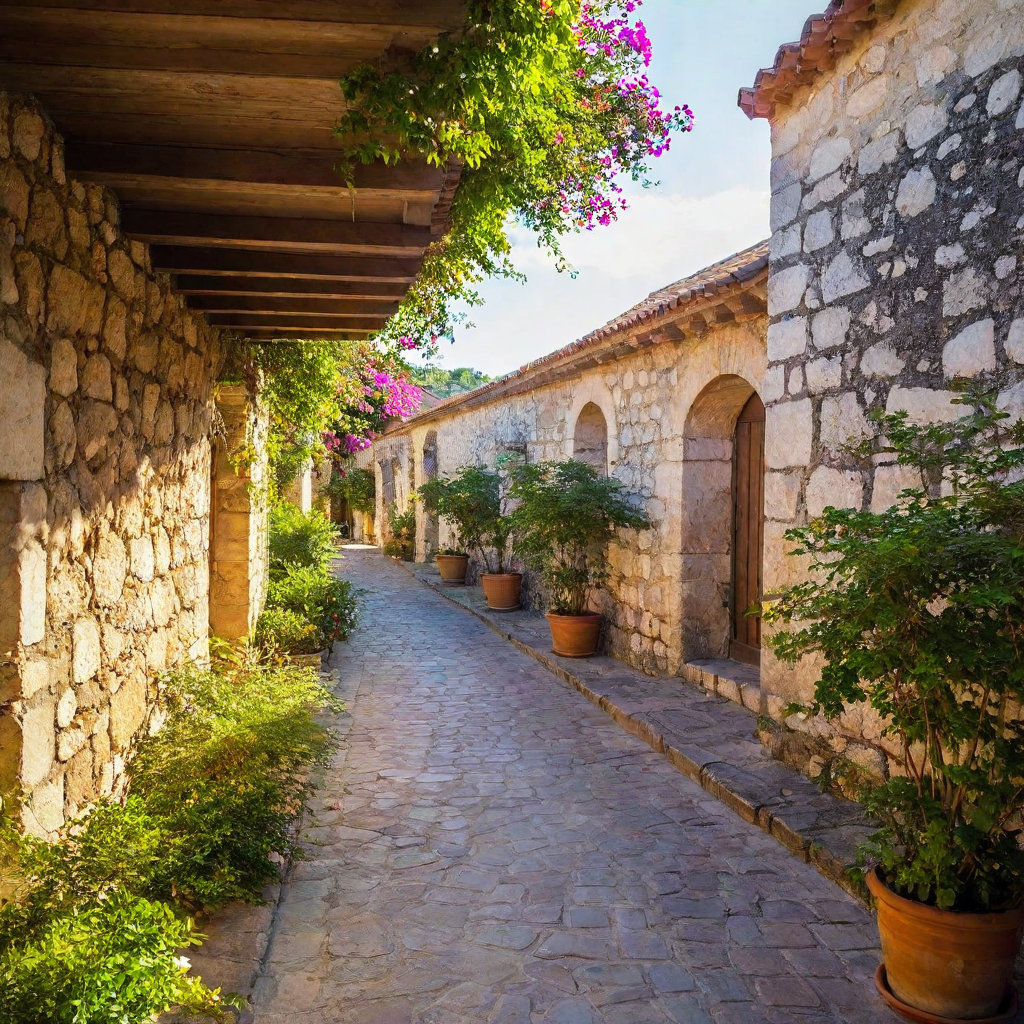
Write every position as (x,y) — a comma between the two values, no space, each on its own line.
(228,776)
(287,632)
(403,532)
(918,612)
(299,538)
(567,513)
(116,962)
(323,600)
(356,486)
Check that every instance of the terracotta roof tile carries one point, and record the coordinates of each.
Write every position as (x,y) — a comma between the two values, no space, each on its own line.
(728,275)
(825,37)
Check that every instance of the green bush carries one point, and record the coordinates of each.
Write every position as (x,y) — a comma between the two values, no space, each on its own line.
(566,515)
(299,538)
(116,962)
(287,632)
(918,613)
(323,600)
(403,532)
(228,775)
(356,486)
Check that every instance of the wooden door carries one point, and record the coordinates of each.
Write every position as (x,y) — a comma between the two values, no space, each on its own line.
(748,531)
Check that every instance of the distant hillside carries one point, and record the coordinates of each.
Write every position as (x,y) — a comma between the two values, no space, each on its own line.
(445,383)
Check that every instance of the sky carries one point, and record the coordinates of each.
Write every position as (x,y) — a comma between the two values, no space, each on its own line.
(711,200)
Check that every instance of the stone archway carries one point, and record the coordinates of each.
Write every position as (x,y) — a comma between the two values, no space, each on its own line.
(710,494)
(590,438)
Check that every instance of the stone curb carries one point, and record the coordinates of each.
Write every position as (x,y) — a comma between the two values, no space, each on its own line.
(819,828)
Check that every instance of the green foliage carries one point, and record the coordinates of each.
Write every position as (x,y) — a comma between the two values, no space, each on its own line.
(402,541)
(356,486)
(280,630)
(299,538)
(540,120)
(91,925)
(918,612)
(228,775)
(445,383)
(566,513)
(472,502)
(319,598)
(115,962)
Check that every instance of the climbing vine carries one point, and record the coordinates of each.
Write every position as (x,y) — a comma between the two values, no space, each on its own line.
(545,105)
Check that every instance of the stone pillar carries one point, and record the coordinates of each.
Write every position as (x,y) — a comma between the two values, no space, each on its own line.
(300,491)
(238,521)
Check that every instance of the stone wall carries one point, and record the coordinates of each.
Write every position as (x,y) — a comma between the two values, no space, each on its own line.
(897,219)
(106,410)
(670,410)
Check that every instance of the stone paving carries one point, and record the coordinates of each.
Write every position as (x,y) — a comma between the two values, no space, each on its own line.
(492,848)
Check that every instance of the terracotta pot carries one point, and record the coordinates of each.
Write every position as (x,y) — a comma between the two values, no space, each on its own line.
(502,590)
(574,636)
(955,966)
(452,567)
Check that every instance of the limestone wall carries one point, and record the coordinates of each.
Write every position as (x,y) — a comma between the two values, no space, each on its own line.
(105,419)
(664,603)
(897,219)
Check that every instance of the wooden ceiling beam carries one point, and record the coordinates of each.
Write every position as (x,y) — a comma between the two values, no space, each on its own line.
(177,259)
(283,287)
(436,14)
(117,165)
(292,304)
(295,321)
(292,234)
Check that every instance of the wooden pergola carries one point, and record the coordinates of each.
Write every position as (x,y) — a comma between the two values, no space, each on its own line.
(213,122)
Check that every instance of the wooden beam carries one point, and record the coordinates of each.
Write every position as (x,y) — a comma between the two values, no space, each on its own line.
(288,233)
(191,43)
(252,263)
(295,321)
(292,304)
(302,333)
(281,287)
(118,164)
(439,13)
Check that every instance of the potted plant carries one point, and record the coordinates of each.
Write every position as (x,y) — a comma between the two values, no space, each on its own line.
(918,612)
(565,515)
(402,542)
(472,502)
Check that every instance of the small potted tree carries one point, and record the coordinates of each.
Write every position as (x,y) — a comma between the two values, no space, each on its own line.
(919,612)
(566,513)
(471,501)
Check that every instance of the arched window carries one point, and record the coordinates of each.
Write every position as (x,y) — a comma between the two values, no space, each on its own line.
(590,439)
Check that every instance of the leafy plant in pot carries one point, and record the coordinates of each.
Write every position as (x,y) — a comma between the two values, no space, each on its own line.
(918,612)
(566,513)
(471,501)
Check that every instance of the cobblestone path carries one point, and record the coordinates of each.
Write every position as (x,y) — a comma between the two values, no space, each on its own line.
(493,848)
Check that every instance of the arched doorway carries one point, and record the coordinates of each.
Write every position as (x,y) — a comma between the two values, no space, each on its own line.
(722,521)
(590,438)
(431,529)
(748,531)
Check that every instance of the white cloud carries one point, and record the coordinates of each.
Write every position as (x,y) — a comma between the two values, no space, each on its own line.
(661,233)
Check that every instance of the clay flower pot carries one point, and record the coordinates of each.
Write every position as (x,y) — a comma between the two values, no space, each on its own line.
(574,636)
(945,965)
(452,567)
(502,590)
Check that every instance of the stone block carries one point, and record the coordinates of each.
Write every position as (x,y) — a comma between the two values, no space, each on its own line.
(96,423)
(22,405)
(786,338)
(889,481)
(819,231)
(916,192)
(834,487)
(46,229)
(1015,341)
(971,352)
(924,405)
(128,709)
(64,435)
(843,276)
(824,374)
(110,567)
(14,193)
(924,122)
(785,205)
(828,156)
(46,806)
(28,134)
(789,428)
(842,422)
(38,746)
(85,661)
(67,708)
(781,495)
(74,305)
(143,558)
(829,327)
(1003,93)
(786,289)
(96,379)
(966,290)
(881,361)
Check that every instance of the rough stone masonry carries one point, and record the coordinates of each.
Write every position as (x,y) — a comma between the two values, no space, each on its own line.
(106,413)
